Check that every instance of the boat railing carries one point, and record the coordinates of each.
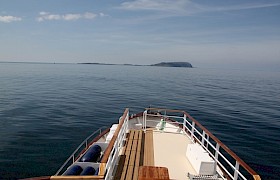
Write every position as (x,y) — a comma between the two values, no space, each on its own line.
(161,125)
(111,154)
(231,165)
(81,148)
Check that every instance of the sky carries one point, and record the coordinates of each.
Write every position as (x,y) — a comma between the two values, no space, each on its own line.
(232,33)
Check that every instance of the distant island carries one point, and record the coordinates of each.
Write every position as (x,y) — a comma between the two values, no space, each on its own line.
(174,64)
(162,64)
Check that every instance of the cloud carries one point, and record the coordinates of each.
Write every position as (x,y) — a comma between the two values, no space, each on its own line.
(71,17)
(88,15)
(239,7)
(44,16)
(102,15)
(187,7)
(8,19)
(157,5)
(43,13)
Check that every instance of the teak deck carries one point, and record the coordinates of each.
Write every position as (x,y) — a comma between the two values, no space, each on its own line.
(153,173)
(149,149)
(138,152)
(132,157)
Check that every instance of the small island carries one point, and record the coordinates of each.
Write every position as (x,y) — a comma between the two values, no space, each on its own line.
(162,64)
(174,64)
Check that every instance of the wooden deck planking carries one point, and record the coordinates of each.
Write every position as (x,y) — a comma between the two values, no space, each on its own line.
(153,173)
(124,172)
(149,149)
(132,153)
(119,168)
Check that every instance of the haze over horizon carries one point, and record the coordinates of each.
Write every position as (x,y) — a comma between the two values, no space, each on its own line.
(240,33)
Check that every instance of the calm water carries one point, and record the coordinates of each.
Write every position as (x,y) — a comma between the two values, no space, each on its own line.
(46,110)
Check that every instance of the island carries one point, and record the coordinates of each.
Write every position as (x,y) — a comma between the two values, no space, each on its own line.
(174,64)
(162,64)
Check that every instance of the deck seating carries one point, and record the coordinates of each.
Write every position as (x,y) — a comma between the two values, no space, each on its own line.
(200,160)
(134,161)
(132,157)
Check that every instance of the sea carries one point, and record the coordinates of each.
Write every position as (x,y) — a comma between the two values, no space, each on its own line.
(47,110)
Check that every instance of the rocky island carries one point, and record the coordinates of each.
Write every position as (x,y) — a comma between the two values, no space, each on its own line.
(162,64)
(174,64)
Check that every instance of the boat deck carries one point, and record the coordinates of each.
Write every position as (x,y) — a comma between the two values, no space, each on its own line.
(170,151)
(155,147)
(159,149)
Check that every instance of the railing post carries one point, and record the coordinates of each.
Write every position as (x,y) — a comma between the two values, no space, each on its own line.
(235,177)
(144,120)
(207,140)
(216,154)
(203,136)
(184,123)
(193,125)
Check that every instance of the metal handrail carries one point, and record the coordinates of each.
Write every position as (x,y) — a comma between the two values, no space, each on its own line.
(173,123)
(111,154)
(212,155)
(193,123)
(85,142)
